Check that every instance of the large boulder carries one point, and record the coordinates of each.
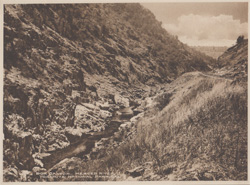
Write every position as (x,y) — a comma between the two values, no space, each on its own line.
(121,101)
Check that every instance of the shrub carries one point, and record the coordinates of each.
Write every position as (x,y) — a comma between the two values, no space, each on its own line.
(240,39)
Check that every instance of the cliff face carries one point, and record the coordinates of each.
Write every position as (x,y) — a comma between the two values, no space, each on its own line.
(59,56)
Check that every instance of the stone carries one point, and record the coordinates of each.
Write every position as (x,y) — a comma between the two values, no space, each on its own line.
(105,106)
(126,125)
(90,106)
(104,114)
(121,100)
(10,174)
(24,175)
(38,162)
(136,172)
(138,111)
(40,155)
(37,169)
(73,131)
(206,176)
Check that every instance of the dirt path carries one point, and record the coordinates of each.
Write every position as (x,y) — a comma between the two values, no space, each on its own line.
(215,76)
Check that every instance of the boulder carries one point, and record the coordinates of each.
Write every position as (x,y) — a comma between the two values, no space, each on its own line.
(37,169)
(73,131)
(125,125)
(136,172)
(25,175)
(104,106)
(122,101)
(38,162)
(90,106)
(104,114)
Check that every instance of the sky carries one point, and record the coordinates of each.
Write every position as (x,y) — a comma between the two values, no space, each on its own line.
(203,24)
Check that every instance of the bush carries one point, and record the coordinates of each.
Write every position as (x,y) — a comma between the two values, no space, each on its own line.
(240,39)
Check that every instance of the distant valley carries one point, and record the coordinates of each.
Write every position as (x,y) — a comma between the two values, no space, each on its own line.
(212,51)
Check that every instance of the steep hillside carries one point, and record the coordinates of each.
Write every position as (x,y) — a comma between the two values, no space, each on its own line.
(235,54)
(98,35)
(234,62)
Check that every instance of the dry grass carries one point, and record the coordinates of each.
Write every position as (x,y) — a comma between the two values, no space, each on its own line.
(209,119)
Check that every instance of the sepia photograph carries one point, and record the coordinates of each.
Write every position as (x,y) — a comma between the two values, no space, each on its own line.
(125,91)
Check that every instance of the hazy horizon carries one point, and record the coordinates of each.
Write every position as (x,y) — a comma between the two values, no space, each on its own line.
(203,24)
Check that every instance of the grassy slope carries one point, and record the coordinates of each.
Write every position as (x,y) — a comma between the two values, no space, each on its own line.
(204,128)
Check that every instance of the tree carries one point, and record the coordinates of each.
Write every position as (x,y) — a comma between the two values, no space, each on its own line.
(240,39)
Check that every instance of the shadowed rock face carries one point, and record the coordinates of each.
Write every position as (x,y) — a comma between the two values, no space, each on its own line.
(235,54)
(234,62)
(59,56)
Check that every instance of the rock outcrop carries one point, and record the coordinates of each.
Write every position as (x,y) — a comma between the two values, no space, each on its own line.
(234,62)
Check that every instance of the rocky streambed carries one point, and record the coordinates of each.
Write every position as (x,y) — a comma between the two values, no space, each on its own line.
(87,142)
(98,126)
